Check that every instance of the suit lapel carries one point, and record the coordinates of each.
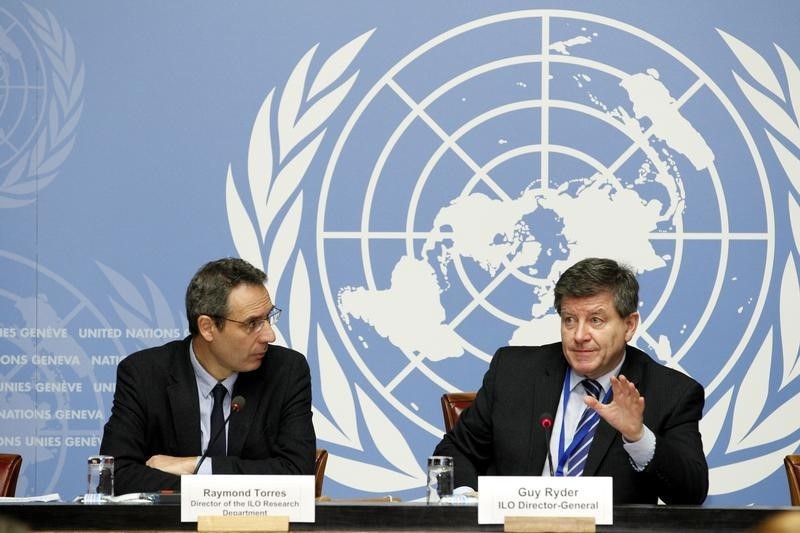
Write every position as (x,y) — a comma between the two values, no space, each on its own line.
(546,393)
(605,435)
(183,402)
(249,385)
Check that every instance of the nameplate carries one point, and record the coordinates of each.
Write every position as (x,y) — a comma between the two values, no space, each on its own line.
(502,496)
(247,495)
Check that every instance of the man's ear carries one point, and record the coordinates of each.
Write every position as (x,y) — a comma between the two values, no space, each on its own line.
(207,327)
(631,323)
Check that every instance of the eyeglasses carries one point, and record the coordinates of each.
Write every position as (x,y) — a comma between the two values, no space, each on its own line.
(255,325)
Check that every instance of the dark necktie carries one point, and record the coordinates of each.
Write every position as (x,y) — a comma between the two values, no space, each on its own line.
(217,447)
(584,433)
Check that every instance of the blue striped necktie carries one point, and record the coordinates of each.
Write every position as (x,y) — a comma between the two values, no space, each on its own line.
(584,432)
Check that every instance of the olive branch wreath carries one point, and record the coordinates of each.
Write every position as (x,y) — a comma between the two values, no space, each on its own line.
(138,311)
(276,167)
(37,167)
(748,429)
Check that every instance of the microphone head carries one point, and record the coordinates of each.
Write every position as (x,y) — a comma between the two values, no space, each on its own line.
(546,420)
(237,403)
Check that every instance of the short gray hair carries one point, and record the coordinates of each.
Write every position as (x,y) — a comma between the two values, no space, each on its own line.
(207,293)
(595,275)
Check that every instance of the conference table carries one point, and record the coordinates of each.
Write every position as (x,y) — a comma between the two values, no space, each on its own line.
(378,516)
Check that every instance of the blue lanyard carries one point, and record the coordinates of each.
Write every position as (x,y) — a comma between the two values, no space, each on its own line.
(563,454)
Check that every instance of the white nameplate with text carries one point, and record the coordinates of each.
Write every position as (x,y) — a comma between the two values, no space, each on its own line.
(501,496)
(247,495)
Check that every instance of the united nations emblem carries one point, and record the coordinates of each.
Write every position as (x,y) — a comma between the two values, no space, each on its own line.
(41,86)
(463,184)
(51,402)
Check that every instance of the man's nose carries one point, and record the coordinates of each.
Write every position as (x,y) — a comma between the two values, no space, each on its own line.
(582,332)
(267,334)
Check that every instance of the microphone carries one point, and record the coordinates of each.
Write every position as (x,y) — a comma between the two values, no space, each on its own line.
(546,420)
(237,404)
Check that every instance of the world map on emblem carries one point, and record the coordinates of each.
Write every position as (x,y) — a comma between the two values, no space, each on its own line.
(50,396)
(441,266)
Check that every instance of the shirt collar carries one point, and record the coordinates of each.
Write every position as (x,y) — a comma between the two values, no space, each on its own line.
(205,381)
(604,380)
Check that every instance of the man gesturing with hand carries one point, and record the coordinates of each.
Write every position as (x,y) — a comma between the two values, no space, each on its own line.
(618,412)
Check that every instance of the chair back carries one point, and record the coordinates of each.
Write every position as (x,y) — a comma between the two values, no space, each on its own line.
(319,471)
(792,464)
(10,465)
(453,404)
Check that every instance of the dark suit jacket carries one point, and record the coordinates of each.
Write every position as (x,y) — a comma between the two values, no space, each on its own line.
(156,411)
(501,435)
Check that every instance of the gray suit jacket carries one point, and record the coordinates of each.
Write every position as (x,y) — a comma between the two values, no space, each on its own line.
(156,411)
(501,435)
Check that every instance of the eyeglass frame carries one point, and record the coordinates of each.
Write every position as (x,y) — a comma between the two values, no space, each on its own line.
(255,325)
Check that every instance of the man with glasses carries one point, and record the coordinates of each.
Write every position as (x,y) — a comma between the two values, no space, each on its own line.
(171,402)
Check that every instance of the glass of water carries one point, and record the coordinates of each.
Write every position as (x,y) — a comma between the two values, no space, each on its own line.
(440,478)
(100,476)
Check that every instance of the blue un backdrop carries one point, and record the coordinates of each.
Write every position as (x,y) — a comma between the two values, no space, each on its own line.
(413,178)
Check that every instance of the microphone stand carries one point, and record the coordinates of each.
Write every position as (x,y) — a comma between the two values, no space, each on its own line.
(237,404)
